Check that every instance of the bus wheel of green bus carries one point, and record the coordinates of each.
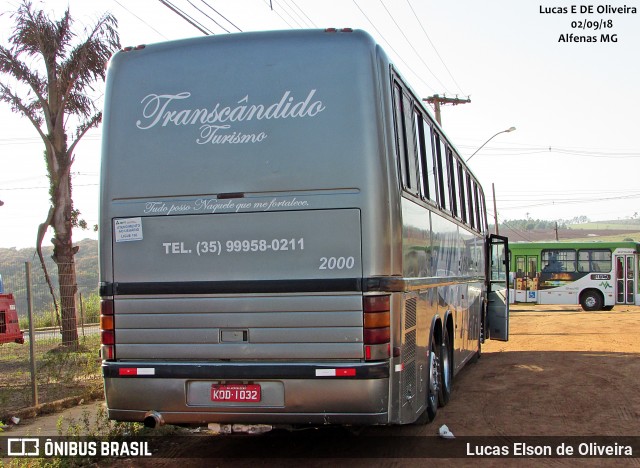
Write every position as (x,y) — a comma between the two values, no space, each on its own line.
(429,413)
(446,369)
(591,300)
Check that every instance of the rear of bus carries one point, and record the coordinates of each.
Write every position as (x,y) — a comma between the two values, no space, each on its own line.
(245,198)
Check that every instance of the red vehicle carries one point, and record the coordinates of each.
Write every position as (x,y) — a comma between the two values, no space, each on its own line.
(9,327)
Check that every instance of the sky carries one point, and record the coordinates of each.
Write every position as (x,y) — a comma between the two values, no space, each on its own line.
(576,148)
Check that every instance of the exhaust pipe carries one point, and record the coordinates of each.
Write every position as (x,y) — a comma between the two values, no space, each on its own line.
(153,420)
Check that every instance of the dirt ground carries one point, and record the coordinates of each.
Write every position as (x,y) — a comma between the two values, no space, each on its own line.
(563,372)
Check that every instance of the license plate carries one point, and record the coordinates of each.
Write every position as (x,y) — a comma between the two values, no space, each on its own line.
(235,392)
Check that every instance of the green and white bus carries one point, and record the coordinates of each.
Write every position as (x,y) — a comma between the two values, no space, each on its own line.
(596,275)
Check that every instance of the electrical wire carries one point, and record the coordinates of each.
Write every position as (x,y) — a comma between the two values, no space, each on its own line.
(217,24)
(434,47)
(140,19)
(221,15)
(392,48)
(412,46)
(298,24)
(199,26)
(304,22)
(306,16)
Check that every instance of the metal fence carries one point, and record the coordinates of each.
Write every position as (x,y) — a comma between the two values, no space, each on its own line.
(43,368)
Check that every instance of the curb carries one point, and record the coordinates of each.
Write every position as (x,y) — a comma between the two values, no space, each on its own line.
(53,406)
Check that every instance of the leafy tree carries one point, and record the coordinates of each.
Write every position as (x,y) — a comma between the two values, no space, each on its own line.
(45,74)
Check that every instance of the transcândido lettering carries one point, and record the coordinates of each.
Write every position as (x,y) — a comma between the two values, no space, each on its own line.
(158,109)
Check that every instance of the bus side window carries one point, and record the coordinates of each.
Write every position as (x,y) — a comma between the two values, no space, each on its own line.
(483,211)
(422,170)
(476,207)
(443,175)
(429,163)
(594,260)
(462,191)
(559,260)
(410,141)
(401,146)
(453,182)
(470,199)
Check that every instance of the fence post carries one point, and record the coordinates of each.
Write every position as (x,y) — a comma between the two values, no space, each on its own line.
(81,313)
(32,338)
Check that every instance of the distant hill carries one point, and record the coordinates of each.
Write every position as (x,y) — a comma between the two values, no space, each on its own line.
(12,269)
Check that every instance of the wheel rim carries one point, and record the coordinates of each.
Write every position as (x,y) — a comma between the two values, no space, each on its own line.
(446,367)
(434,373)
(590,301)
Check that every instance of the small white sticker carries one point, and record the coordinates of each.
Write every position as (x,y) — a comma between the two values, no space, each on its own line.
(129,229)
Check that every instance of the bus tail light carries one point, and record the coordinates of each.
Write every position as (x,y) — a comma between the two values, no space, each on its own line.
(107,330)
(377,327)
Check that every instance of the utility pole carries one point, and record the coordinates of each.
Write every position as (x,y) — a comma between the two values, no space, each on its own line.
(495,207)
(436,100)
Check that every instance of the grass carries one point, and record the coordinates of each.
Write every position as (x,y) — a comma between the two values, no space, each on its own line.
(93,427)
(606,225)
(60,372)
(632,235)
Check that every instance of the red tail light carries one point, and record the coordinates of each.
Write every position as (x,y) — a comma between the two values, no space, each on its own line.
(377,304)
(107,330)
(377,327)
(107,337)
(376,335)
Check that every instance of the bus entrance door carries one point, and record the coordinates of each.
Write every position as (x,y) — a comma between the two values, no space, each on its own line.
(526,280)
(625,279)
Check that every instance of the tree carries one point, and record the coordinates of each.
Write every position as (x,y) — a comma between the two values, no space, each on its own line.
(46,73)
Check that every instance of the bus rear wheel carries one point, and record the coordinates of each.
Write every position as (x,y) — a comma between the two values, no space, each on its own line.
(429,413)
(591,300)
(446,369)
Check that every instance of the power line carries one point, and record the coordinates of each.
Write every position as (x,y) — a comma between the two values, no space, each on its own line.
(305,22)
(217,24)
(187,18)
(42,187)
(418,76)
(412,46)
(221,15)
(434,47)
(297,23)
(140,19)
(270,5)
(306,16)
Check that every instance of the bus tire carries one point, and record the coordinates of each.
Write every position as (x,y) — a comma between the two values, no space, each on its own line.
(591,300)
(433,375)
(607,308)
(446,369)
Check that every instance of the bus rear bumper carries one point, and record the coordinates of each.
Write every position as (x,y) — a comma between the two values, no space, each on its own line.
(276,419)
(322,399)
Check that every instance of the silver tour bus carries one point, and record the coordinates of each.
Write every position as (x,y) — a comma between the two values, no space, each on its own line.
(286,237)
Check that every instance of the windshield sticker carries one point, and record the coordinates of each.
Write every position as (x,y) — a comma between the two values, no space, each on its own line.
(127,230)
(216,124)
